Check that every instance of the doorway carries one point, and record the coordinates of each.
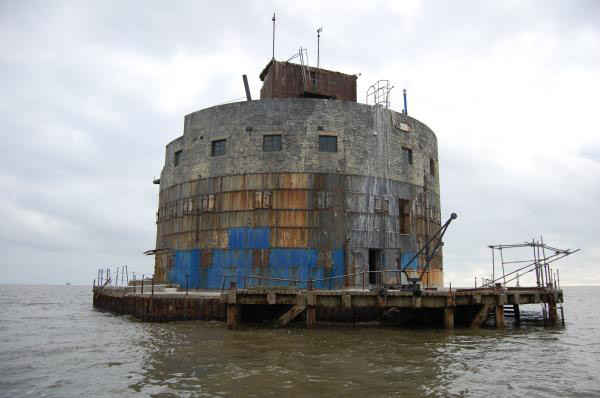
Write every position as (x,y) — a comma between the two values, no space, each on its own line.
(375,265)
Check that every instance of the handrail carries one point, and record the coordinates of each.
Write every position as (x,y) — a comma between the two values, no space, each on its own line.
(311,282)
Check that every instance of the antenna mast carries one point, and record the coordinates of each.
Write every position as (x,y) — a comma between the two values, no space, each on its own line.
(273,19)
(318,44)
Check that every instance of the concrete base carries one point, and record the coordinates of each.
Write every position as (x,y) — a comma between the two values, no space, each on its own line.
(426,309)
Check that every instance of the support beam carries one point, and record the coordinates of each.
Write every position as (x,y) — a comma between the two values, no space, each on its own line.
(386,314)
(290,315)
(517,311)
(311,317)
(552,313)
(233,316)
(499,317)
(480,316)
(449,317)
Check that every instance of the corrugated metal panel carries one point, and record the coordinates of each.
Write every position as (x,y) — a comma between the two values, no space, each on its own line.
(249,238)
(289,237)
(186,263)
(293,219)
(206,269)
(237,200)
(290,199)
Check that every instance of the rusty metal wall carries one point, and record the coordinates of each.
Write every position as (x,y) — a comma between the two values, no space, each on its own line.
(297,212)
(285,80)
(325,213)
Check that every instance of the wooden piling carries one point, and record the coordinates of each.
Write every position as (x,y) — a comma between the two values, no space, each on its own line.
(517,311)
(552,312)
(233,316)
(311,317)
(449,317)
(499,316)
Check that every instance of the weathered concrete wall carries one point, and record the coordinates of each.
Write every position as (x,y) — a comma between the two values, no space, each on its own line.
(296,213)
(370,141)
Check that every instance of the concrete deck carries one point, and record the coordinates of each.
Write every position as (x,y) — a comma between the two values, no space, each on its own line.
(442,308)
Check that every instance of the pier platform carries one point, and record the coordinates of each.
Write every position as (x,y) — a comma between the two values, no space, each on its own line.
(441,308)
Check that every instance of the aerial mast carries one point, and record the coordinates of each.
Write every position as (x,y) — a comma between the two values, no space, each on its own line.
(318,44)
(273,19)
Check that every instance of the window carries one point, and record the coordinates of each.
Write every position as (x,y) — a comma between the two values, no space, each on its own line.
(218,148)
(271,143)
(407,155)
(327,143)
(177,158)
(404,216)
(432,167)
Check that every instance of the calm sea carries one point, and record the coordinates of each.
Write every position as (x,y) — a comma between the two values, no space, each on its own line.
(54,344)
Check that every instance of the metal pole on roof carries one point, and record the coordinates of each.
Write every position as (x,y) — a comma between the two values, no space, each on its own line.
(318,44)
(273,19)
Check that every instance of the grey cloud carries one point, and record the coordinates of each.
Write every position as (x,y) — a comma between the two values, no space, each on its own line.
(83,131)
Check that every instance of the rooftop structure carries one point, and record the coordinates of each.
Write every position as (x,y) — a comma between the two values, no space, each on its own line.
(291,80)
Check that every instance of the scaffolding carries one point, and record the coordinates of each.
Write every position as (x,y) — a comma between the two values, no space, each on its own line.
(379,93)
(542,256)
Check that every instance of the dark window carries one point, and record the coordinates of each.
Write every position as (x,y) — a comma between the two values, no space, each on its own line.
(177,158)
(271,143)
(432,167)
(407,154)
(327,143)
(218,148)
(404,216)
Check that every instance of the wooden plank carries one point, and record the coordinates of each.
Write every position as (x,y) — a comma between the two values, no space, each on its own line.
(290,315)
(481,316)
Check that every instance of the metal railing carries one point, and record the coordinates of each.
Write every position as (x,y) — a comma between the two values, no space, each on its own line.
(332,282)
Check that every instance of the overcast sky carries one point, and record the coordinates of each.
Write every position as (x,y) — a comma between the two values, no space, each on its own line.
(91,92)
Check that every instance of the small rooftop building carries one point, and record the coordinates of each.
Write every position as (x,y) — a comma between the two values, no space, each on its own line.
(290,80)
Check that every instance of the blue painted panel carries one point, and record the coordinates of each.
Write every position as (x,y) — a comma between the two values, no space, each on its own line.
(406,257)
(299,264)
(186,262)
(295,264)
(249,238)
(338,261)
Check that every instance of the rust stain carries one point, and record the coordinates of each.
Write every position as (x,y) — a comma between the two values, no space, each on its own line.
(206,258)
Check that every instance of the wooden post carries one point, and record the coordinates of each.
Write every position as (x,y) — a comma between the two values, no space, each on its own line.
(233,310)
(499,316)
(311,318)
(232,316)
(449,317)
(517,311)
(552,312)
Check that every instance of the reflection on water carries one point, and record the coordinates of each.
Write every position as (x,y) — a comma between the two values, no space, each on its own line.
(54,343)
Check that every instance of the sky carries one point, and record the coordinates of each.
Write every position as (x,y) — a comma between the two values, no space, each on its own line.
(91,92)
